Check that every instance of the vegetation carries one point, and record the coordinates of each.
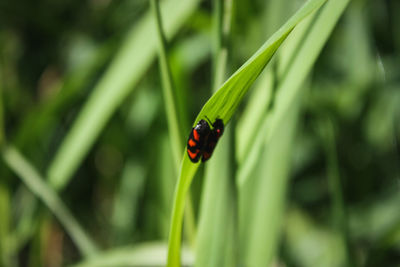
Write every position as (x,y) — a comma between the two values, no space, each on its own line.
(98,98)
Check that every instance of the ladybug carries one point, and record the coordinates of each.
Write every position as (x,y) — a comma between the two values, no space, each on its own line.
(202,140)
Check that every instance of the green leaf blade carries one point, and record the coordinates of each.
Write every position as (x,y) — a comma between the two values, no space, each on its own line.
(32,179)
(222,105)
(262,232)
(226,100)
(129,66)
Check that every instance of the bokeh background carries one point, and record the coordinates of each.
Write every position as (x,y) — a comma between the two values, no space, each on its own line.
(343,196)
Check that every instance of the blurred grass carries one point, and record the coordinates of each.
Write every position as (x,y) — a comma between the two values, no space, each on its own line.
(146,254)
(170,100)
(169,91)
(306,174)
(4,225)
(38,186)
(339,212)
(310,244)
(217,239)
(112,89)
(267,194)
(222,105)
(107,95)
(46,114)
(126,203)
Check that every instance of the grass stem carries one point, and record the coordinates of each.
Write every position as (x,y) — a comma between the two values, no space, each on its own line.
(33,180)
(171,112)
(168,92)
(339,214)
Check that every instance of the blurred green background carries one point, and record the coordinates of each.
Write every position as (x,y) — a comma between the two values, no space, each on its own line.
(82,102)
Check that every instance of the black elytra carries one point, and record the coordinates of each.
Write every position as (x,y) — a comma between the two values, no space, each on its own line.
(216,133)
(202,140)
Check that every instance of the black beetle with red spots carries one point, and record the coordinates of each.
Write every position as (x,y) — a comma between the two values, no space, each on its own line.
(202,140)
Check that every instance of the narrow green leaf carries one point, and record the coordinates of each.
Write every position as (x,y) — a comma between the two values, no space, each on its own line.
(217,232)
(167,85)
(225,101)
(5,212)
(27,204)
(222,105)
(268,191)
(166,179)
(18,164)
(295,67)
(169,94)
(145,254)
(216,239)
(2,134)
(130,64)
(183,185)
(254,145)
(41,118)
(270,187)
(253,115)
(339,214)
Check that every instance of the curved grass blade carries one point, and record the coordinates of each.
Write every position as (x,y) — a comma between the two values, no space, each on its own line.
(268,193)
(170,100)
(254,113)
(5,225)
(144,254)
(216,239)
(42,117)
(222,105)
(270,189)
(217,236)
(295,71)
(167,86)
(38,186)
(183,185)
